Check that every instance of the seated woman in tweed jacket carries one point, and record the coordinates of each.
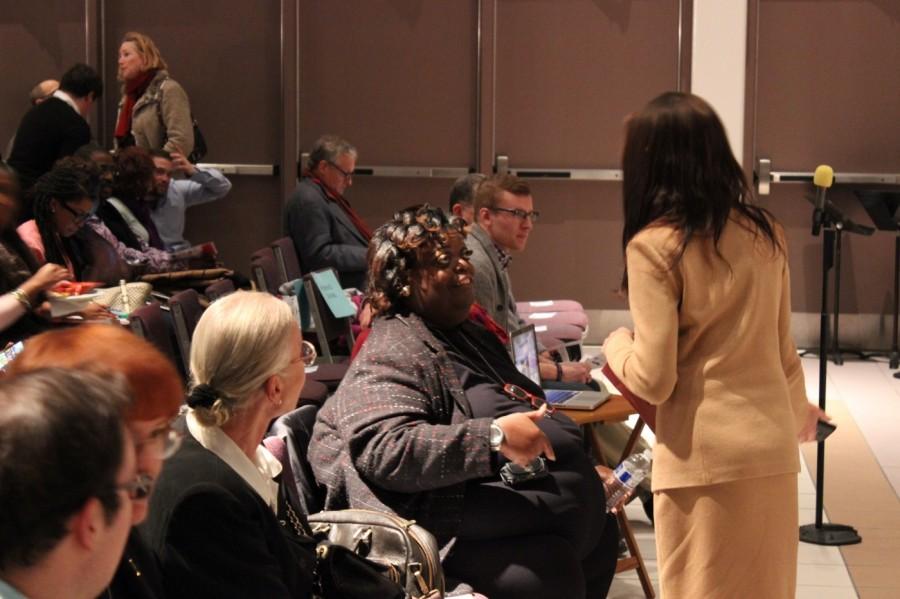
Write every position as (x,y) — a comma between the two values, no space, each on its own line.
(425,419)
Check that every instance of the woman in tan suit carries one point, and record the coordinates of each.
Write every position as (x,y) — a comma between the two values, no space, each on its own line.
(709,291)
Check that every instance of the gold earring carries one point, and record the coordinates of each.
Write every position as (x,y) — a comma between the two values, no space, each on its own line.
(405,291)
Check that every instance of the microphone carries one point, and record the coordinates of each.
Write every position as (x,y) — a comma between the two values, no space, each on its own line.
(822,179)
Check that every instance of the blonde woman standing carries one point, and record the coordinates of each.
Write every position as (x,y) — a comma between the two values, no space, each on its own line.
(154,111)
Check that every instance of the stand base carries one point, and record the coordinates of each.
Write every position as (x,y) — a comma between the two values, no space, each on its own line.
(829,534)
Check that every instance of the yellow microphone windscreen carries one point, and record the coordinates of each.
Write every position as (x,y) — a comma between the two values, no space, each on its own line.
(824,176)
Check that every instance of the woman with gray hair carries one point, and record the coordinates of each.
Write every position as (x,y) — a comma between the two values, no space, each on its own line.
(214,517)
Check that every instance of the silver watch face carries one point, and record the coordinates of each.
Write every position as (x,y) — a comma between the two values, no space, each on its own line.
(496,436)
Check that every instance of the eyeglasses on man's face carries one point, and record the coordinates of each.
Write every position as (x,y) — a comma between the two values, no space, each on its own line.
(522,215)
(137,488)
(347,176)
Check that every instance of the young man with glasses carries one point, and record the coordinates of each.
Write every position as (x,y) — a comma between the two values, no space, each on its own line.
(326,230)
(504,218)
(67,476)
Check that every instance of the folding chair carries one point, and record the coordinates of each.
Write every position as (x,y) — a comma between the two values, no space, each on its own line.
(286,258)
(219,289)
(151,323)
(186,311)
(329,328)
(264,271)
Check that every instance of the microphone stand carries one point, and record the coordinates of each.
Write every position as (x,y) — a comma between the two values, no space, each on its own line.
(833,222)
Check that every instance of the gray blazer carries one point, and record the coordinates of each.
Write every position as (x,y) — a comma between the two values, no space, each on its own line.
(492,286)
(398,434)
(324,236)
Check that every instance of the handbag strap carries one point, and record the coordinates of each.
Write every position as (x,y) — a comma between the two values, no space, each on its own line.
(288,486)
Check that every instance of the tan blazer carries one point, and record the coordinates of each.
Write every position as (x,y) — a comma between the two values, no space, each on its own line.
(161,118)
(713,349)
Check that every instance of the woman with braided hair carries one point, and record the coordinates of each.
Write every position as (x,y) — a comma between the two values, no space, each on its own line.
(433,409)
(62,201)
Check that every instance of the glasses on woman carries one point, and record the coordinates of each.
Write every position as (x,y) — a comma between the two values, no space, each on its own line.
(308,354)
(163,442)
(80,217)
(520,394)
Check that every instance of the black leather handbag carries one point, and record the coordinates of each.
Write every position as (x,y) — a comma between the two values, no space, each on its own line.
(407,552)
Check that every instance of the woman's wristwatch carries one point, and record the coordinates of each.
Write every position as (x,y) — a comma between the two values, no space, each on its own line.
(497,436)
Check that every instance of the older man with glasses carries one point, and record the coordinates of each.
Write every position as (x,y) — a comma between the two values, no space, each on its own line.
(326,230)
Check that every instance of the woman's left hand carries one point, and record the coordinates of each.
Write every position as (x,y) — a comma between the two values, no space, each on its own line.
(808,430)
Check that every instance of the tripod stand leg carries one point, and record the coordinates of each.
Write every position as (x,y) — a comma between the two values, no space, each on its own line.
(836,356)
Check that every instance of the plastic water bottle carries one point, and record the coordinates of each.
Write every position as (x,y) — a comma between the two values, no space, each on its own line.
(628,475)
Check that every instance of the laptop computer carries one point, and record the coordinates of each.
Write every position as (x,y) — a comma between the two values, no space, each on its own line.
(523,344)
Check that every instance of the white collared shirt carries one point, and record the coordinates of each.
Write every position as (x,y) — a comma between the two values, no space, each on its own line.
(259,473)
(68,100)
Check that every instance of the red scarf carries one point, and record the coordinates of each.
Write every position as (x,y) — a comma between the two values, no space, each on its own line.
(134,89)
(338,199)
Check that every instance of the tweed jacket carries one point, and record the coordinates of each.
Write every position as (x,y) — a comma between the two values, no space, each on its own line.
(398,435)
(161,118)
(492,287)
(324,236)
(712,348)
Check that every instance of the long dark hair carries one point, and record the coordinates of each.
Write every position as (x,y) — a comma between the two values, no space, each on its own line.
(679,170)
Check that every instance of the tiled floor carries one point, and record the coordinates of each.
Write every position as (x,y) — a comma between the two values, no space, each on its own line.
(862,488)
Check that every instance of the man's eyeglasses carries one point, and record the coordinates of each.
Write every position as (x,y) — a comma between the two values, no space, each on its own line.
(139,487)
(347,176)
(534,215)
(80,217)
(518,393)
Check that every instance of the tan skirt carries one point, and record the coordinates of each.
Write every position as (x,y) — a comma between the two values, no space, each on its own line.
(731,540)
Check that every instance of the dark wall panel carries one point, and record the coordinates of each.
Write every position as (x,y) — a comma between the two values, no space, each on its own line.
(828,91)
(829,85)
(395,77)
(38,40)
(569,72)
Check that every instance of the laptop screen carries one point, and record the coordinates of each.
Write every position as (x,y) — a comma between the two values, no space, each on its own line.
(525,354)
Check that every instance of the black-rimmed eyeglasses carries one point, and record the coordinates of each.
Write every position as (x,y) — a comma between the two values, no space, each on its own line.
(80,217)
(534,215)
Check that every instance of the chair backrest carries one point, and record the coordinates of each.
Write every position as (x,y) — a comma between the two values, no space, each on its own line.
(186,311)
(264,271)
(295,428)
(219,289)
(328,327)
(286,258)
(154,325)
